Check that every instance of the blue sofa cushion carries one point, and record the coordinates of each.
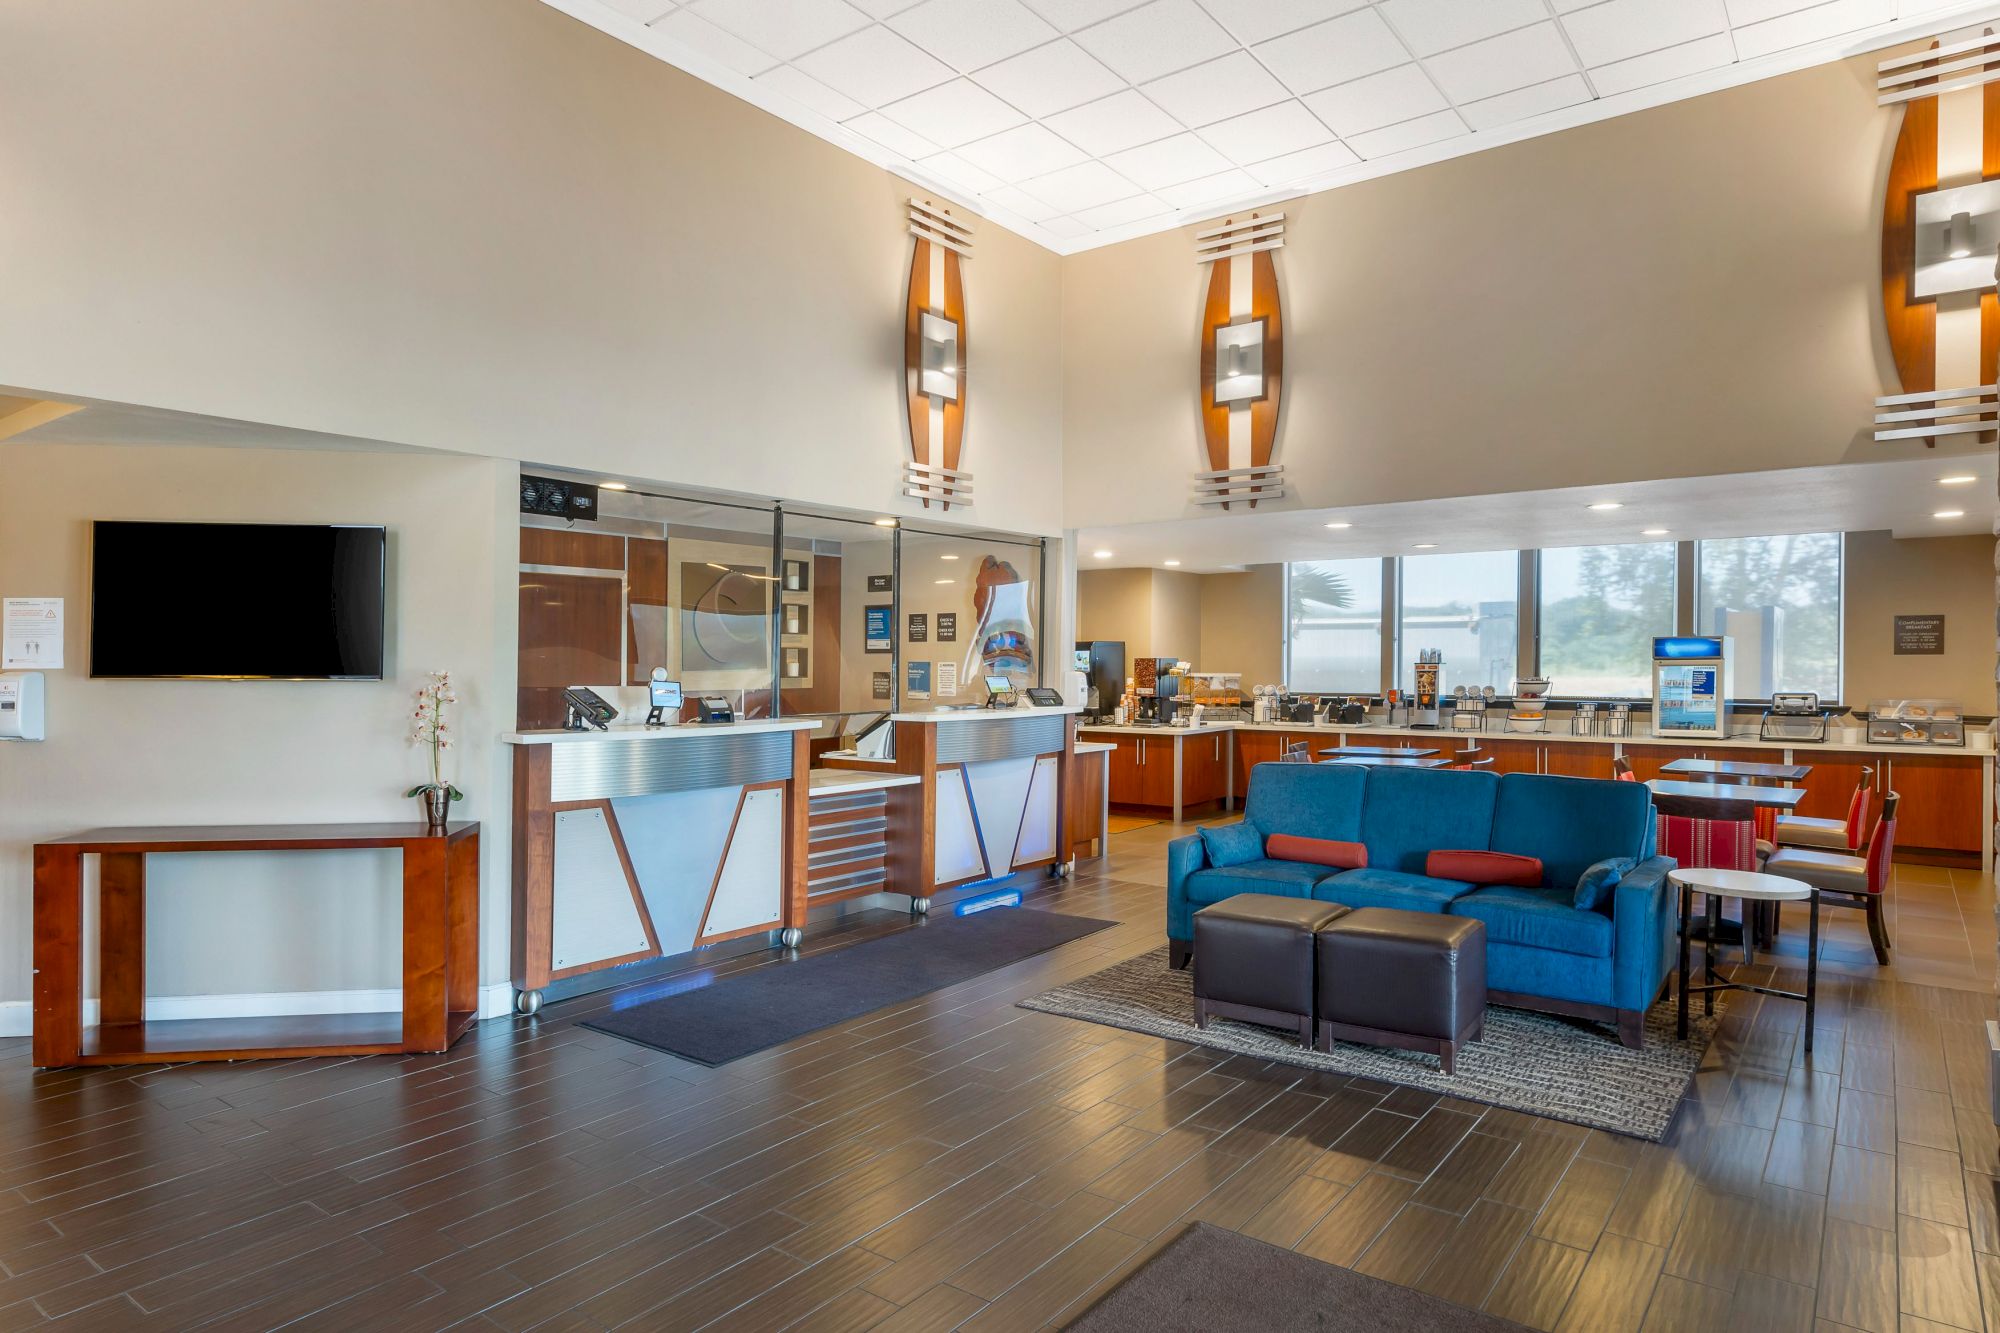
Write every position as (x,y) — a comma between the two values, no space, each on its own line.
(1595,887)
(1232,844)
(1411,812)
(1310,800)
(1539,918)
(1571,823)
(1287,879)
(1373,887)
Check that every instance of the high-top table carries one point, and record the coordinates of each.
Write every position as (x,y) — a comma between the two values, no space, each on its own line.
(1730,770)
(440,948)
(1778,798)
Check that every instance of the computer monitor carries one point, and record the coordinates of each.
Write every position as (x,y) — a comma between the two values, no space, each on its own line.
(664,696)
(996,685)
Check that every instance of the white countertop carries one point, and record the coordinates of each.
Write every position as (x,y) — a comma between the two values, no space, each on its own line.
(1444,737)
(982,714)
(1095,747)
(638,731)
(827,780)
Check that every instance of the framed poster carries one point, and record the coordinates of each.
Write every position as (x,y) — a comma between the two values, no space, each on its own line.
(882,685)
(916,680)
(878,628)
(879,583)
(920,627)
(947,627)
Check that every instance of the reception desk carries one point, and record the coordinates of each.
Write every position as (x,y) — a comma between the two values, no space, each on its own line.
(636,844)
(991,796)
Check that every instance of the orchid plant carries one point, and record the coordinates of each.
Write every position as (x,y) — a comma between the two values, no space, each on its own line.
(429,728)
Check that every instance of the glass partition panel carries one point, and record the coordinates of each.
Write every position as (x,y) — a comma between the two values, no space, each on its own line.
(970,616)
(1778,598)
(837,582)
(1601,607)
(1334,626)
(1466,606)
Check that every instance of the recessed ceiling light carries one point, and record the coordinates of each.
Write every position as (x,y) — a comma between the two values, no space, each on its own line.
(1338,526)
(885,522)
(947,556)
(941,581)
(621,486)
(1949,513)
(1100,555)
(1171,564)
(1426,546)
(1957,479)
(1654,532)
(1604,506)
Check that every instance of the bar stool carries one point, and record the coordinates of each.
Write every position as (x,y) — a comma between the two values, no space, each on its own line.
(1850,881)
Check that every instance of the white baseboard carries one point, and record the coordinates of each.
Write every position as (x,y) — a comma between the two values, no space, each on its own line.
(17,1016)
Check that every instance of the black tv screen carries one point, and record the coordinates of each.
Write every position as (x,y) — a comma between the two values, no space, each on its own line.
(236,601)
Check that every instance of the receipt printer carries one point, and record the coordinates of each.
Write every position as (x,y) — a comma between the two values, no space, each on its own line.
(21,706)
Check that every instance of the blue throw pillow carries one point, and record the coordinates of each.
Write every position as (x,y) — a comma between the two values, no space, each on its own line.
(1232,844)
(1595,887)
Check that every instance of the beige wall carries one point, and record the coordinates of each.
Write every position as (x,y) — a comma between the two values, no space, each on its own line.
(1154,613)
(212,752)
(1948,576)
(1243,624)
(481,226)
(1683,291)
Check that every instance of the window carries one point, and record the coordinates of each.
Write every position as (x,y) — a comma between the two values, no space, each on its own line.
(1601,606)
(1779,599)
(1334,615)
(1467,607)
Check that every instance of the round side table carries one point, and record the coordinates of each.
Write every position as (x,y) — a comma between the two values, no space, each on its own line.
(1752,886)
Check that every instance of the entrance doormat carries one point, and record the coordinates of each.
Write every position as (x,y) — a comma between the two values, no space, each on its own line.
(769,1005)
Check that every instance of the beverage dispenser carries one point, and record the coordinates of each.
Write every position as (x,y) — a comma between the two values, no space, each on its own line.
(1692,682)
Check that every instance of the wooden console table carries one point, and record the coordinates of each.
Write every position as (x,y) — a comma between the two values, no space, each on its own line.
(440,949)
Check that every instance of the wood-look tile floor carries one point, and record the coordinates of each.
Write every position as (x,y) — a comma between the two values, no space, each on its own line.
(957,1162)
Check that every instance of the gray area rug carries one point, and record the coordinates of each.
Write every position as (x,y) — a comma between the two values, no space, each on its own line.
(1208,1278)
(1538,1063)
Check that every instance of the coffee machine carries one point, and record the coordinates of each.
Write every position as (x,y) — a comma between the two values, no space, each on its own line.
(1156,681)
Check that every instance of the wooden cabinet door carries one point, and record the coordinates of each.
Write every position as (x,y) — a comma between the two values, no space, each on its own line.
(1830,785)
(1253,748)
(1125,770)
(1204,762)
(1156,771)
(1577,759)
(1647,758)
(1941,799)
(1513,755)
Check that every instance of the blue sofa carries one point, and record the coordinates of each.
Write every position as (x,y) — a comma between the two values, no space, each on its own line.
(1542,952)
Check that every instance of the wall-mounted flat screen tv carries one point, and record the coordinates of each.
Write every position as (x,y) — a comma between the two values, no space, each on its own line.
(237,601)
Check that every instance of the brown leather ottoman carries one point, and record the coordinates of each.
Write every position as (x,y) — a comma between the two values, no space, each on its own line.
(1412,980)
(1253,960)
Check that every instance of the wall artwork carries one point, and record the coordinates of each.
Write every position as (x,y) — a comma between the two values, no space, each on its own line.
(934,341)
(1242,362)
(1004,639)
(724,619)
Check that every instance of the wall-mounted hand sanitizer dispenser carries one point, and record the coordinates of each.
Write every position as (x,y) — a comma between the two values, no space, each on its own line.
(21,706)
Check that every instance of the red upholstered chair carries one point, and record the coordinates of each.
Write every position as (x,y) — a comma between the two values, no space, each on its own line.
(1715,835)
(1299,752)
(1621,769)
(1832,835)
(1472,758)
(1850,881)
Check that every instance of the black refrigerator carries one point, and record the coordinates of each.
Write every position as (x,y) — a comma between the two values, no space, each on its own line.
(1102,663)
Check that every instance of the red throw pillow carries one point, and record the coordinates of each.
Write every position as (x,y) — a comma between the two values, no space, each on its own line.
(1486,868)
(1316,851)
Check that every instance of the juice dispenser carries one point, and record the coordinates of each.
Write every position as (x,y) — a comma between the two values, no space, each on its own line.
(1692,682)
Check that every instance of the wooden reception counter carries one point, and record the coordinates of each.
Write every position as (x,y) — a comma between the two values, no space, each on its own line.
(990,796)
(635,844)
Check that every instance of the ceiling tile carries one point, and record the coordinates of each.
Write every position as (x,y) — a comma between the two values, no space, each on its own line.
(955,170)
(1160,38)
(1138,207)
(1502,64)
(1026,150)
(1828,20)
(1293,167)
(874,66)
(1217,90)
(1621,29)
(643,10)
(1658,66)
(1254,21)
(881,9)
(1756,11)
(1272,132)
(1067,228)
(954,113)
(1049,78)
(713,42)
(785,28)
(971,34)
(1019,202)
(1169,162)
(1430,26)
(1085,185)
(1394,95)
(1410,134)
(1196,193)
(1333,52)
(1069,15)
(896,138)
(810,93)
(1119,121)
(1522,103)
